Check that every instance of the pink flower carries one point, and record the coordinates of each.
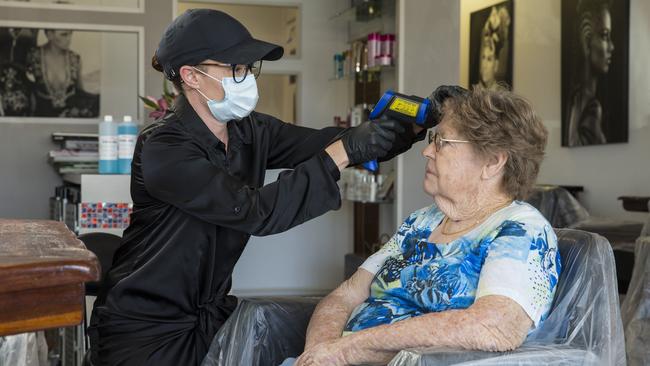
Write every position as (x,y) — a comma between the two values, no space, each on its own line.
(162,103)
(159,106)
(156,114)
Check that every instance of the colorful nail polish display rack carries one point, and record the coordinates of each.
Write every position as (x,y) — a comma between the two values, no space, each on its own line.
(104,215)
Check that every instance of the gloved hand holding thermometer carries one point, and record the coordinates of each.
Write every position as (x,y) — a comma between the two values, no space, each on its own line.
(371,140)
(424,113)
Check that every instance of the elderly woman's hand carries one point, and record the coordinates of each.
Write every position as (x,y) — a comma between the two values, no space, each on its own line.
(328,353)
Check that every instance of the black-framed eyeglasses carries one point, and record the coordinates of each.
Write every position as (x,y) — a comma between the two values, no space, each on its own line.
(435,137)
(239,72)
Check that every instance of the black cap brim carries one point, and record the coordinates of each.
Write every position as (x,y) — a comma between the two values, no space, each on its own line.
(248,52)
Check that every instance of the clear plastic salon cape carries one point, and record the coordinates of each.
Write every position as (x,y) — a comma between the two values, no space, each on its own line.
(583,328)
(636,306)
(262,332)
(26,349)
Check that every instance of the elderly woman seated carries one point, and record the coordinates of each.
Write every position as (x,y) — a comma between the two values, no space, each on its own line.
(477,269)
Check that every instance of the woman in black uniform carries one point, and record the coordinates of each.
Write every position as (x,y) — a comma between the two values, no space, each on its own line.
(197,188)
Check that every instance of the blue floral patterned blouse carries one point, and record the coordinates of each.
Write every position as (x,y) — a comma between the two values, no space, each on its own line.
(513,253)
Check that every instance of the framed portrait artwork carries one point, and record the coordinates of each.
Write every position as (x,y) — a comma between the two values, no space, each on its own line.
(595,35)
(69,73)
(491,45)
(121,6)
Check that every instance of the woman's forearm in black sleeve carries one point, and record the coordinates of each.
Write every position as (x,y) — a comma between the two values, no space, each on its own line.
(290,145)
(178,172)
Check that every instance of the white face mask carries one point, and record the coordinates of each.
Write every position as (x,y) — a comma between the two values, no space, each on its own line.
(239,101)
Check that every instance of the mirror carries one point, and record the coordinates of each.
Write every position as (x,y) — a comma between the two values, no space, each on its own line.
(278,93)
(275,24)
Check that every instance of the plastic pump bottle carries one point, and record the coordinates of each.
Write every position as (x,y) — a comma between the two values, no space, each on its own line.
(107,146)
(127,134)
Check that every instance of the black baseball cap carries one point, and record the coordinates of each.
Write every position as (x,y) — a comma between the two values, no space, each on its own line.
(200,34)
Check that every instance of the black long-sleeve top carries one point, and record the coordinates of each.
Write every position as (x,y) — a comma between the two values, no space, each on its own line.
(195,207)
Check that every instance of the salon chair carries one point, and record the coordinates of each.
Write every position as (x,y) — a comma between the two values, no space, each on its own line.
(104,246)
(558,205)
(583,328)
(635,310)
(563,210)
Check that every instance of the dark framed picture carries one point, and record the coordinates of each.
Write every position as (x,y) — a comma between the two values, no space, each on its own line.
(491,44)
(57,72)
(123,6)
(42,76)
(595,38)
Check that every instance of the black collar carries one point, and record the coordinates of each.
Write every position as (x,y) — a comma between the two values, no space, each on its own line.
(239,132)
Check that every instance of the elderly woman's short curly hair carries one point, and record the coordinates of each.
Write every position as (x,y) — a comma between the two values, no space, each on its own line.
(501,121)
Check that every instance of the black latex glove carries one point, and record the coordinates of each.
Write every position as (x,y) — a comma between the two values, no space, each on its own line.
(371,140)
(439,96)
(404,141)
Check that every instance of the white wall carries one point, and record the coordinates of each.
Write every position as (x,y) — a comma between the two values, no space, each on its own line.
(606,171)
(306,260)
(428,33)
(119,75)
(309,258)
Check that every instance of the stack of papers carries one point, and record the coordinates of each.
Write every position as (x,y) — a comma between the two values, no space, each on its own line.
(78,153)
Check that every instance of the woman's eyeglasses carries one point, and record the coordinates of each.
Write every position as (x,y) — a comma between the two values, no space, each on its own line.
(435,137)
(239,72)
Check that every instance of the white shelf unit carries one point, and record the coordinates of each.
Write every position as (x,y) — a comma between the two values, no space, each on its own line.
(105,188)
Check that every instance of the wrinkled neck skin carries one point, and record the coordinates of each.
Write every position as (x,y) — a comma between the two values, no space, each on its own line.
(474,205)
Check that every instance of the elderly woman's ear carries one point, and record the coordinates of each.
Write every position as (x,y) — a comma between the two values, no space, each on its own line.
(494,166)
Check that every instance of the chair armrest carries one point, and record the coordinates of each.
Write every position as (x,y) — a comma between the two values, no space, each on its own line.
(524,355)
(262,331)
(636,203)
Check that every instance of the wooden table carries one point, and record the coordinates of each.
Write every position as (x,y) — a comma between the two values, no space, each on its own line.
(43,267)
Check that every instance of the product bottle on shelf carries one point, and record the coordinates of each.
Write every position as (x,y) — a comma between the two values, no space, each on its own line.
(391,48)
(108,146)
(346,64)
(373,48)
(386,56)
(127,134)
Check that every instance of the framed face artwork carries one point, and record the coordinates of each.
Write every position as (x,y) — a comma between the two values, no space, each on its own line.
(69,73)
(491,44)
(124,6)
(595,36)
